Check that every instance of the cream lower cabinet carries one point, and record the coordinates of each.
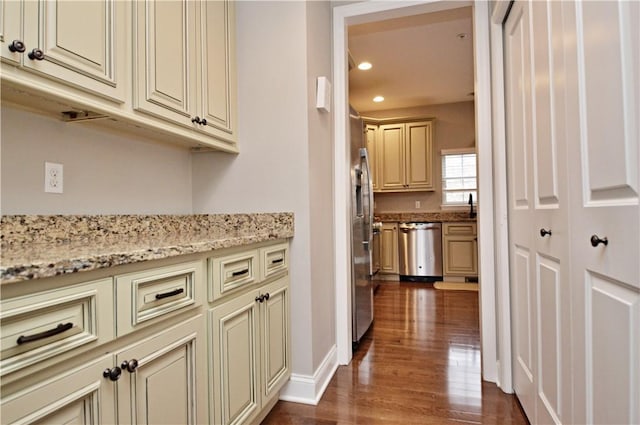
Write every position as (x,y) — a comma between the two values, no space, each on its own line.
(389,248)
(153,381)
(250,344)
(460,249)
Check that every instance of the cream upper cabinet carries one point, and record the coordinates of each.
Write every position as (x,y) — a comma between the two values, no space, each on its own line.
(372,134)
(460,249)
(79,43)
(389,248)
(184,70)
(406,156)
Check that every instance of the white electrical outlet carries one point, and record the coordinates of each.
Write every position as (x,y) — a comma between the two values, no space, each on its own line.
(53,177)
(417,204)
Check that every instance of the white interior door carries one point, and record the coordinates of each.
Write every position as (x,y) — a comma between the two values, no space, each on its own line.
(602,116)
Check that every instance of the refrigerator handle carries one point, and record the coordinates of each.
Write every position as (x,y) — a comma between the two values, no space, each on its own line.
(367,201)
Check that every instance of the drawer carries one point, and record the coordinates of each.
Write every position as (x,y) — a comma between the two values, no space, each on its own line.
(275,260)
(43,325)
(154,293)
(232,272)
(459,229)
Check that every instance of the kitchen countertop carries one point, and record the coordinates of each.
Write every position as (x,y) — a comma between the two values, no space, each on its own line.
(436,216)
(39,246)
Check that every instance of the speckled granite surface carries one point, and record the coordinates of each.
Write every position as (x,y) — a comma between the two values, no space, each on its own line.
(439,216)
(38,246)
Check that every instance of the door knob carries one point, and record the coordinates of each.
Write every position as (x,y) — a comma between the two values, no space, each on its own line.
(595,241)
(17,46)
(36,54)
(545,232)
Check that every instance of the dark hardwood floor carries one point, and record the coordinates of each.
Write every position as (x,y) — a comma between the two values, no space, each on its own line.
(418,364)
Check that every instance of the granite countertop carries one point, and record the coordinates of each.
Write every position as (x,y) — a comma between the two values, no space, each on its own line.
(436,216)
(39,246)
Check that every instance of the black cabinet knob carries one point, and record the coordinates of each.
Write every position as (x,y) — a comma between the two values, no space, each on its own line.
(545,232)
(36,54)
(203,121)
(196,120)
(17,46)
(260,298)
(130,366)
(266,296)
(595,241)
(113,373)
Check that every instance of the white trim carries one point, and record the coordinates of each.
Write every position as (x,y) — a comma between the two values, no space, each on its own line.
(500,208)
(308,389)
(482,53)
(370,11)
(457,151)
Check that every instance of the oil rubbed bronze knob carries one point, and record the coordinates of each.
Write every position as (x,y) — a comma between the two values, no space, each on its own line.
(545,232)
(17,46)
(196,120)
(36,54)
(130,366)
(595,241)
(113,373)
(203,121)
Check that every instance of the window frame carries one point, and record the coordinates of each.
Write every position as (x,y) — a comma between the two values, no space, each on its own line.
(450,152)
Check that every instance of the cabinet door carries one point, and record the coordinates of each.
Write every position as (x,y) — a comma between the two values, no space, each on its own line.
(389,251)
(460,257)
(392,173)
(167,386)
(372,132)
(10,29)
(83,43)
(217,65)
(165,59)
(235,366)
(81,396)
(275,339)
(419,155)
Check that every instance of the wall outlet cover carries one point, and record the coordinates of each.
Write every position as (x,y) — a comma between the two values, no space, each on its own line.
(53,177)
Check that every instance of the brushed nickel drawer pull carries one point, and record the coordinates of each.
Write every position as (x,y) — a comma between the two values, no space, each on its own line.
(240,273)
(279,260)
(23,339)
(169,294)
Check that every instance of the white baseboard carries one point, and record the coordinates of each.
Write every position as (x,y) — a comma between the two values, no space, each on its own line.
(308,389)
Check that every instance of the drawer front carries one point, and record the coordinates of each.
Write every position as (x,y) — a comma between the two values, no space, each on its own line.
(151,294)
(44,325)
(275,260)
(460,229)
(232,272)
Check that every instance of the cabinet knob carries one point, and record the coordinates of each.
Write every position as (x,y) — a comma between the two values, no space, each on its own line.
(196,120)
(266,296)
(130,366)
(113,373)
(36,54)
(545,232)
(17,46)
(595,241)
(203,121)
(260,298)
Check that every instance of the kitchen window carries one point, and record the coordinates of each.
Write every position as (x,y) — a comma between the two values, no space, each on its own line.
(459,176)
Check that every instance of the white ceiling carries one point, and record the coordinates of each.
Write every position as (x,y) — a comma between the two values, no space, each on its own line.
(417,60)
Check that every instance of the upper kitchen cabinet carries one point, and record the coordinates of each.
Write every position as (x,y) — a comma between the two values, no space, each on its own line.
(184,64)
(371,134)
(81,44)
(405,157)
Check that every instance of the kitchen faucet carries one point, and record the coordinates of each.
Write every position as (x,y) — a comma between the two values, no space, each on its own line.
(472,214)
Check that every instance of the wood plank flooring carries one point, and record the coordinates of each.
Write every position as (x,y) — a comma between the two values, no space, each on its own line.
(418,364)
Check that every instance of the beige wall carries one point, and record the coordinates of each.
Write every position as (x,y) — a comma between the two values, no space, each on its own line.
(285,156)
(454,128)
(104,173)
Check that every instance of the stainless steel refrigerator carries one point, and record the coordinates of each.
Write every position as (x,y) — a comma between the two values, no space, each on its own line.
(361,230)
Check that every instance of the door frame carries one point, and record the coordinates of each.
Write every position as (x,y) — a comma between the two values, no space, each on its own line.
(492,211)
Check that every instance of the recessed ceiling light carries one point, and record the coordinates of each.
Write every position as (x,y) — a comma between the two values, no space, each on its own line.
(364,66)
(378,99)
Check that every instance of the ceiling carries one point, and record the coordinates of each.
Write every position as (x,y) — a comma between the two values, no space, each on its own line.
(417,60)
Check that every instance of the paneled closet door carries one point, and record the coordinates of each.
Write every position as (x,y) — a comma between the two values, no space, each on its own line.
(538,210)
(602,119)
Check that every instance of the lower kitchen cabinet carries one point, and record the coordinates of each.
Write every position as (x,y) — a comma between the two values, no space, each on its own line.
(460,246)
(250,344)
(389,248)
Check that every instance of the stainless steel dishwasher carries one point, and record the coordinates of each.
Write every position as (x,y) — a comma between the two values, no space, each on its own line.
(420,251)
